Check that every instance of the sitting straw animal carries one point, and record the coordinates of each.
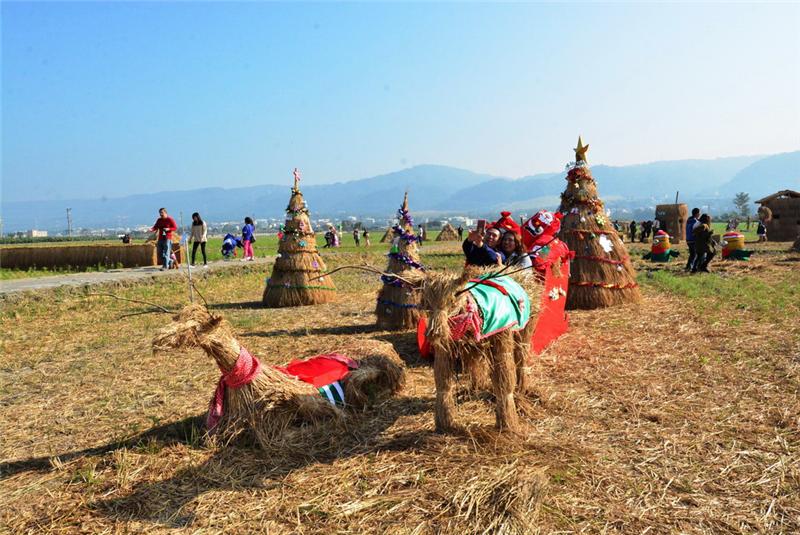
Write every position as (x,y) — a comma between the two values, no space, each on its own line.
(505,354)
(278,408)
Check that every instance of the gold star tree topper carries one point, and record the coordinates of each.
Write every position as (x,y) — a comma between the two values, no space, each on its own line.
(580,151)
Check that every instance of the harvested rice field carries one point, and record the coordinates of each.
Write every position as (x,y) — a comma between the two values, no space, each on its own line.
(677,415)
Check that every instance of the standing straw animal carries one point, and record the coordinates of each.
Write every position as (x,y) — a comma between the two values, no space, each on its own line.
(271,402)
(469,326)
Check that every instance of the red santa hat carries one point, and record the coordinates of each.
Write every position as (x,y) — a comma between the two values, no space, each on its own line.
(541,229)
(506,223)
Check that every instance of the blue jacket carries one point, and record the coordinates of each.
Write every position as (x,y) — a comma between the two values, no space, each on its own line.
(481,256)
(247,232)
(690,223)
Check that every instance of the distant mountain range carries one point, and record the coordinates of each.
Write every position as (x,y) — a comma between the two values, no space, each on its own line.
(433,190)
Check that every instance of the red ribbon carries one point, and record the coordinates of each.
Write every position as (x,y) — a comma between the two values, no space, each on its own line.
(242,373)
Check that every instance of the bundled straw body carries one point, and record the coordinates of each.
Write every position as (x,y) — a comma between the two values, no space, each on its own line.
(295,279)
(601,273)
(501,358)
(278,409)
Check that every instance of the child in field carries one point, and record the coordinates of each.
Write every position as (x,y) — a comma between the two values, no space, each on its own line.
(248,237)
(761,231)
(365,235)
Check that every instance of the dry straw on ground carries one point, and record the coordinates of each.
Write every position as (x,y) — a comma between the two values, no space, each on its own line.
(601,272)
(397,306)
(297,275)
(680,414)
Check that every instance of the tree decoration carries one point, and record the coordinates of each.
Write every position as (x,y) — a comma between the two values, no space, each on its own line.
(397,306)
(602,274)
(295,279)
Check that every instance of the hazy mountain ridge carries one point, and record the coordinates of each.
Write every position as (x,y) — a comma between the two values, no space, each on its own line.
(433,189)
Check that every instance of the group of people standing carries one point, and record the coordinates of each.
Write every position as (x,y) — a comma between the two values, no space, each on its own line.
(496,244)
(645,229)
(165,226)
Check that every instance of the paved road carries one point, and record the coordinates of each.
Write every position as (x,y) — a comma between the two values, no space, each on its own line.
(105,277)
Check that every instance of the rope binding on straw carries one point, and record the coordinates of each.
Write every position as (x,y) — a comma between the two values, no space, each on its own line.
(246,369)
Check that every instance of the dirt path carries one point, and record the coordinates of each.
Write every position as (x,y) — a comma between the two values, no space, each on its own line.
(105,277)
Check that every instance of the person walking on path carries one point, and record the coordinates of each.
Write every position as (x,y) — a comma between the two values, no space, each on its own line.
(199,238)
(356,237)
(248,237)
(460,231)
(164,227)
(704,244)
(690,224)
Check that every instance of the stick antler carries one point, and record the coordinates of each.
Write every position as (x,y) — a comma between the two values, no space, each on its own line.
(363,268)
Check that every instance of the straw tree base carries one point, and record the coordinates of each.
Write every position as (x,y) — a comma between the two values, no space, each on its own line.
(590,298)
(278,297)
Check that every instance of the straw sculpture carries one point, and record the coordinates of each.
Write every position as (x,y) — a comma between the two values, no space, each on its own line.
(448,233)
(502,357)
(602,274)
(388,235)
(397,306)
(673,219)
(278,409)
(298,261)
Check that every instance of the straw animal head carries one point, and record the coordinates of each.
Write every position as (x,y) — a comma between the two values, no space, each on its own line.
(195,326)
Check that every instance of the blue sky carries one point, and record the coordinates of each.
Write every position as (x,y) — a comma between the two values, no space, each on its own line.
(110,99)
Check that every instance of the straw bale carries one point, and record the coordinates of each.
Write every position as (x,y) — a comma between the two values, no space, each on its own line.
(598,278)
(78,256)
(448,233)
(673,219)
(388,235)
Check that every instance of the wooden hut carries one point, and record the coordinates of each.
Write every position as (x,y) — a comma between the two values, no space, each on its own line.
(785,208)
(673,220)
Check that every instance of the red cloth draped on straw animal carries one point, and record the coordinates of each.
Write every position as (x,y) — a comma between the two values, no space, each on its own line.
(320,370)
(243,372)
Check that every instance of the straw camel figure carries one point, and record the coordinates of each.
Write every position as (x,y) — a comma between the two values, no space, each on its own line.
(277,408)
(504,356)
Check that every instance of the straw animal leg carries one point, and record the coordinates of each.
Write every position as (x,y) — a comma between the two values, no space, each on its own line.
(445,398)
(504,379)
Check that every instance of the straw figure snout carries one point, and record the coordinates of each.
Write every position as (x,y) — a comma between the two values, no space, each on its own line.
(277,409)
(501,358)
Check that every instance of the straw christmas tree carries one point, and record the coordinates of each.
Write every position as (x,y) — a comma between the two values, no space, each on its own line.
(601,273)
(294,280)
(398,303)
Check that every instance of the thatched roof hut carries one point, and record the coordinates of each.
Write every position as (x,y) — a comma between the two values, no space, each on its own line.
(673,220)
(785,208)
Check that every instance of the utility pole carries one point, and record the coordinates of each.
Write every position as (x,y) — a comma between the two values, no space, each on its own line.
(69,222)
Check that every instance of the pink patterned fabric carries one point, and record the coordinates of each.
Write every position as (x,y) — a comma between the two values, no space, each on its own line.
(469,320)
(243,372)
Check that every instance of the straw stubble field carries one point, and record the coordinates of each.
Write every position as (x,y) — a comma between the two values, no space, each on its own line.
(680,414)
